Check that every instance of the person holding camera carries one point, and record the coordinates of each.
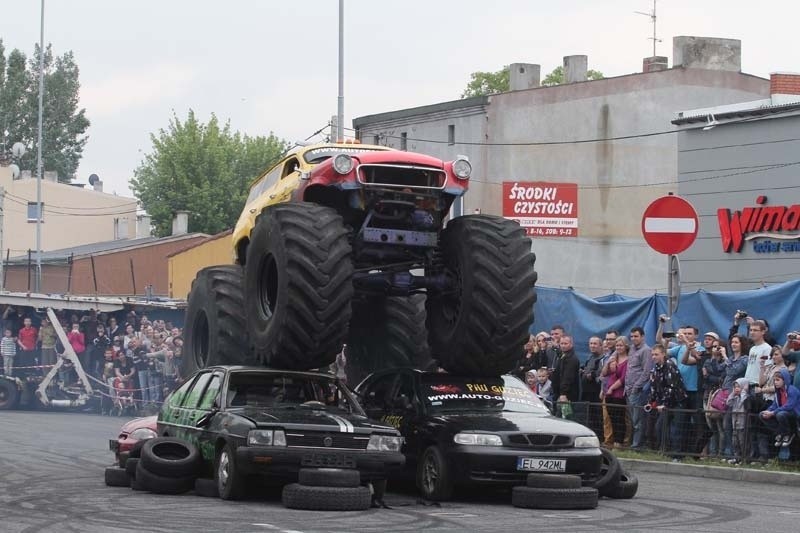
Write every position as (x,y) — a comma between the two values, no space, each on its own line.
(759,352)
(791,355)
(713,375)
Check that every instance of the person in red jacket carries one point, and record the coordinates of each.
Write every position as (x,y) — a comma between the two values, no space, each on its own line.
(26,340)
(77,340)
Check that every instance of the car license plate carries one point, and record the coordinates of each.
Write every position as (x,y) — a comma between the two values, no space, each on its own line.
(328,460)
(540,464)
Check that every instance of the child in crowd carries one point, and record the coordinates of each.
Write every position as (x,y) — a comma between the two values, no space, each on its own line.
(739,405)
(8,349)
(782,414)
(544,388)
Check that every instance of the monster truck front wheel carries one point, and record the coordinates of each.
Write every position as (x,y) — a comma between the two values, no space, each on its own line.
(298,286)
(215,325)
(478,327)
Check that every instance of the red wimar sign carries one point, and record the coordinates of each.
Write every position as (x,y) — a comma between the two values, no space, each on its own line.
(544,209)
(754,222)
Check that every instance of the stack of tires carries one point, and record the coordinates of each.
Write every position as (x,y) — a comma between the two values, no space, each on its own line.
(614,481)
(327,489)
(160,465)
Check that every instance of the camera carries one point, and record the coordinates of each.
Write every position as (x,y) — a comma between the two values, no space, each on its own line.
(741,314)
(792,336)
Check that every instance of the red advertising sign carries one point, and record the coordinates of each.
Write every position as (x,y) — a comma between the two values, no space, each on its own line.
(669,225)
(773,221)
(544,209)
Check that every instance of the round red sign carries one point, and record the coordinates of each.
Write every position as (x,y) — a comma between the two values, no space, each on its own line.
(669,225)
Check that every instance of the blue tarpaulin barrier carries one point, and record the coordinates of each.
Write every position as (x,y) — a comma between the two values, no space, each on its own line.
(584,317)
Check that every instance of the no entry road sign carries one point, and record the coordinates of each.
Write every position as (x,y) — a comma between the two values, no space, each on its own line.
(669,225)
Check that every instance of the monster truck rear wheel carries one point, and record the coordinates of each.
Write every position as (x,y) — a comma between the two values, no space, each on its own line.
(9,394)
(387,332)
(298,286)
(215,325)
(478,328)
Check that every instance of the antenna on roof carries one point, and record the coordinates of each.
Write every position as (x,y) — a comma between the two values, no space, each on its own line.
(653,19)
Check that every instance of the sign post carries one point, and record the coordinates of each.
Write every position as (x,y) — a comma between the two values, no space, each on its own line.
(669,225)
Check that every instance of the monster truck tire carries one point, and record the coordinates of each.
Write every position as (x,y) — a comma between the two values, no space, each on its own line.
(206,487)
(171,457)
(538,498)
(329,477)
(298,286)
(9,394)
(161,484)
(135,485)
(117,477)
(130,466)
(610,472)
(387,332)
(553,481)
(626,489)
(477,328)
(296,496)
(215,332)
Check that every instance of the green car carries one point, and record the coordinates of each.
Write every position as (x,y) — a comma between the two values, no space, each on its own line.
(254,421)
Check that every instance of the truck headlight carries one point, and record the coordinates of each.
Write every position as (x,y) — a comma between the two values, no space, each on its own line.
(384,443)
(462,169)
(266,437)
(587,442)
(343,164)
(478,439)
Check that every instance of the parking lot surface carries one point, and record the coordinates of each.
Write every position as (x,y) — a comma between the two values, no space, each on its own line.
(51,480)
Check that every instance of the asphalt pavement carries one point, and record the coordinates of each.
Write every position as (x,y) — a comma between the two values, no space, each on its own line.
(51,480)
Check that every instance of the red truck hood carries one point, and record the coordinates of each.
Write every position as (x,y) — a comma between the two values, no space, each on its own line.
(397,157)
(143,422)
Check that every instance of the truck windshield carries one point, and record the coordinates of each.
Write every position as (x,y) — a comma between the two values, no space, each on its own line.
(441,392)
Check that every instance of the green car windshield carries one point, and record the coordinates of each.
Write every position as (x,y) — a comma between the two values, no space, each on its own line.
(262,390)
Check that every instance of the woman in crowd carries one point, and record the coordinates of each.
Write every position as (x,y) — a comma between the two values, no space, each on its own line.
(735,366)
(615,371)
(713,376)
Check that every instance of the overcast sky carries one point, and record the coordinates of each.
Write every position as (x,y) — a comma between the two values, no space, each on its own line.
(272,65)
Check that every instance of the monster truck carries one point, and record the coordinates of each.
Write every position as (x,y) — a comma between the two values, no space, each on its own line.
(347,243)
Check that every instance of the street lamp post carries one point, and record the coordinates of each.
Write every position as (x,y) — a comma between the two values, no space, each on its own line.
(39,214)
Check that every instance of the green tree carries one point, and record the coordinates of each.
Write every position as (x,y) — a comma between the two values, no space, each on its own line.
(201,168)
(557,76)
(64,125)
(483,83)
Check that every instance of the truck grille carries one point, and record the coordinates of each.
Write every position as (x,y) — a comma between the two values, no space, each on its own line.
(317,440)
(539,440)
(401,176)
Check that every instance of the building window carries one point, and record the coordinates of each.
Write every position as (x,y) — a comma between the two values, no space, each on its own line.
(451,134)
(32,212)
(404,141)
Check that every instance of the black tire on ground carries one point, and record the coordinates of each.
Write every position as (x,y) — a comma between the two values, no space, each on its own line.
(626,489)
(171,457)
(130,467)
(536,498)
(553,481)
(122,458)
(215,331)
(296,496)
(135,485)
(9,394)
(162,484)
(298,286)
(329,477)
(231,482)
(117,477)
(136,450)
(610,472)
(477,328)
(387,332)
(206,487)
(433,475)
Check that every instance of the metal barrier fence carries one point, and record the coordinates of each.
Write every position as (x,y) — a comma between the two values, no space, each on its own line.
(682,433)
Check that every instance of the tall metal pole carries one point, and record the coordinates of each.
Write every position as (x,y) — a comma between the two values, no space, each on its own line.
(39,214)
(655,39)
(340,100)
(2,263)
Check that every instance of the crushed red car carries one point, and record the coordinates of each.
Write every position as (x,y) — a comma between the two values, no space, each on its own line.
(132,432)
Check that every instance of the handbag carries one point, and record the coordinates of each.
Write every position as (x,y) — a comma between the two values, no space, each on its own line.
(566,409)
(717,400)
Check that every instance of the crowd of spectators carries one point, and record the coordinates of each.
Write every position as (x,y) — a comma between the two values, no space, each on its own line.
(734,398)
(133,362)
